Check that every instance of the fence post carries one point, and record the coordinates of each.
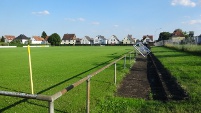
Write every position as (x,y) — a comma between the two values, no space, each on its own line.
(115,73)
(135,55)
(88,95)
(130,58)
(125,62)
(51,107)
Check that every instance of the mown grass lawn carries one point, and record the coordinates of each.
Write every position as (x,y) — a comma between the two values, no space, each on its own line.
(55,68)
(186,68)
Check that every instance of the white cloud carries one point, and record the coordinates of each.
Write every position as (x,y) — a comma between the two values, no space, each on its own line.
(45,12)
(95,23)
(195,22)
(73,19)
(81,19)
(183,3)
(192,22)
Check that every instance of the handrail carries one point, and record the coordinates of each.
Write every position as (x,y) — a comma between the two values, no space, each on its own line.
(55,96)
(60,93)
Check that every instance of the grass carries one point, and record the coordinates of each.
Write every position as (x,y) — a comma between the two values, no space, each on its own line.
(186,47)
(57,67)
(54,69)
(185,67)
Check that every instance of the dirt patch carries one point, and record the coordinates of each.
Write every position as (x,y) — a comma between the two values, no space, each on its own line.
(135,84)
(143,81)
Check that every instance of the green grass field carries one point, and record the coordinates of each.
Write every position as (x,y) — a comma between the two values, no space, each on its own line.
(185,67)
(54,69)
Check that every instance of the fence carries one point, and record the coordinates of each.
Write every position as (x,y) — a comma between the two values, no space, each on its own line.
(177,41)
(51,99)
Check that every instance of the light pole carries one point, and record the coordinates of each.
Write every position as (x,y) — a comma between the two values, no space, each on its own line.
(156,30)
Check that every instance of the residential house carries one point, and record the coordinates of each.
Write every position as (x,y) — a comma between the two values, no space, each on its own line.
(45,41)
(128,40)
(147,39)
(113,40)
(177,36)
(78,41)
(69,39)
(198,39)
(9,38)
(22,38)
(37,40)
(87,40)
(100,40)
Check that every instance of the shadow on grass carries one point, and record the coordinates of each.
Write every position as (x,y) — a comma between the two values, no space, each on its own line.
(53,86)
(26,100)
(9,89)
(176,92)
(196,53)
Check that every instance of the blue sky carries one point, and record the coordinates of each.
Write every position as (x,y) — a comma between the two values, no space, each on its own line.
(99,17)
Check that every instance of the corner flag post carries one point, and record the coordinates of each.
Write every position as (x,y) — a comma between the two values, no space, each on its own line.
(30,69)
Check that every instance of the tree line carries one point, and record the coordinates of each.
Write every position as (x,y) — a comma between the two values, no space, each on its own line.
(53,39)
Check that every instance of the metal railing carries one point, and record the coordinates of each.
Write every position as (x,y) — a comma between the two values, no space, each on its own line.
(52,98)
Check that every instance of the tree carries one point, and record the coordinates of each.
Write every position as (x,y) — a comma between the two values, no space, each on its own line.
(2,39)
(164,36)
(44,35)
(54,39)
(15,41)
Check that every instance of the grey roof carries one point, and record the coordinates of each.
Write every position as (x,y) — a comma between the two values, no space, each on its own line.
(130,37)
(88,38)
(22,36)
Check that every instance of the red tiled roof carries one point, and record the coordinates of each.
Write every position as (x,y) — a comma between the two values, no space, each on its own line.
(38,38)
(177,33)
(46,38)
(9,37)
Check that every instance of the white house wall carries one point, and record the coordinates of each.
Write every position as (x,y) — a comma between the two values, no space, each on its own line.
(113,41)
(24,41)
(99,41)
(85,41)
(68,41)
(36,42)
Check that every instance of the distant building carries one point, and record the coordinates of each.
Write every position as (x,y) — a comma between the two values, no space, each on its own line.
(87,40)
(69,39)
(37,40)
(9,38)
(177,36)
(128,40)
(78,41)
(147,38)
(100,40)
(197,39)
(22,38)
(45,41)
(113,40)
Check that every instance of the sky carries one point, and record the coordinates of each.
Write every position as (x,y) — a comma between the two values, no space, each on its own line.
(99,17)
